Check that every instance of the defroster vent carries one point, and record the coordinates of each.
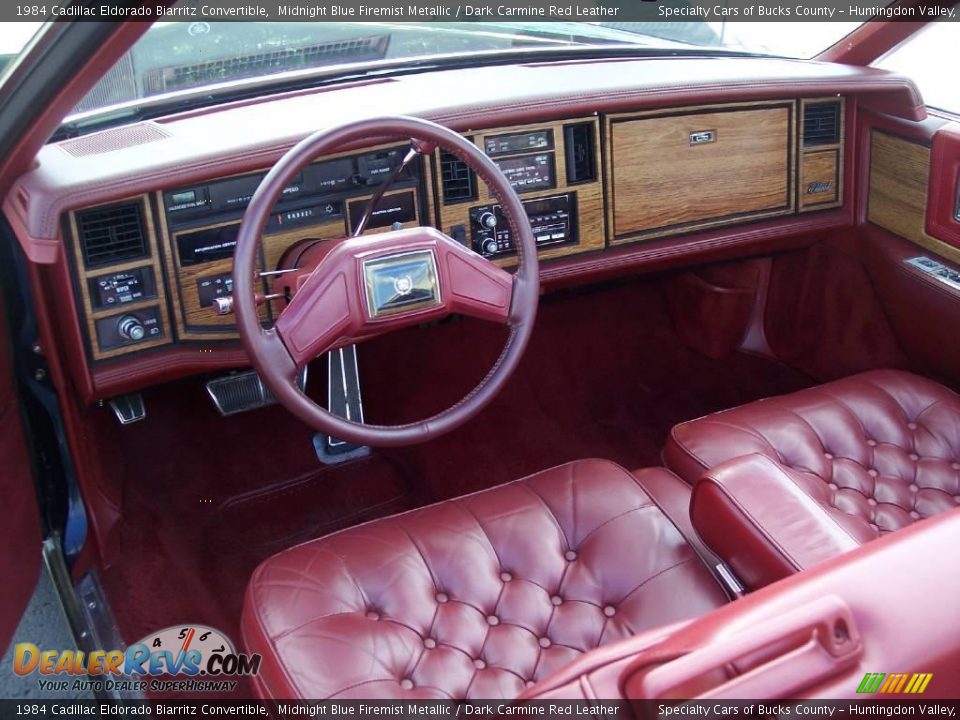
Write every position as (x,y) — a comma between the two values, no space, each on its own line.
(458,180)
(112,234)
(821,123)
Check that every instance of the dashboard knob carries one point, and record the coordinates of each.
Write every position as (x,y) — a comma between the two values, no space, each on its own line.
(130,328)
(490,247)
(487,220)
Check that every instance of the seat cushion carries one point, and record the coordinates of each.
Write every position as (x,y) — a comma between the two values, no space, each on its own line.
(882,447)
(476,597)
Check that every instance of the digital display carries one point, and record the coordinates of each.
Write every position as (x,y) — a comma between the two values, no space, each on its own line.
(399,207)
(122,287)
(520,142)
(333,174)
(207,245)
(187,199)
(528,172)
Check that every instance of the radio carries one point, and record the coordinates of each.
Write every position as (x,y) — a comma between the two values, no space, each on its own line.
(553,220)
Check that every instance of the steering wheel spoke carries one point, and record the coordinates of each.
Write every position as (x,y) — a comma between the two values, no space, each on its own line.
(319,314)
(475,286)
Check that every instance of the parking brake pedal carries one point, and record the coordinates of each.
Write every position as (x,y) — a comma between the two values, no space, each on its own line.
(129,408)
(344,399)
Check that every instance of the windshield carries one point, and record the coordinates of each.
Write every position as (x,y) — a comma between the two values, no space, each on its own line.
(177,58)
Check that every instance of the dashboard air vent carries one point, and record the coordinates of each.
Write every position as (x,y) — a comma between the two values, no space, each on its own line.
(458,180)
(821,123)
(578,143)
(112,234)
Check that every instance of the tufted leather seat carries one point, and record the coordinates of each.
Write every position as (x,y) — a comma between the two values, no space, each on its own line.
(476,597)
(877,451)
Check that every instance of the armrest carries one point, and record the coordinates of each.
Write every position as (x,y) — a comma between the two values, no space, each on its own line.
(752,514)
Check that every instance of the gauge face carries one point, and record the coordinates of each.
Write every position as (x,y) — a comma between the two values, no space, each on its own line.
(183,638)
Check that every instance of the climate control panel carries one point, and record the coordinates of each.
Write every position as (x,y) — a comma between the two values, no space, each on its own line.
(552,219)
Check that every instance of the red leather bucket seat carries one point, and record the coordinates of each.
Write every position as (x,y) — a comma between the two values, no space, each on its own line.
(839,465)
(883,447)
(476,597)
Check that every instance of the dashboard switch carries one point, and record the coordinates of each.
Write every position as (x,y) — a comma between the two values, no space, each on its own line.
(129,327)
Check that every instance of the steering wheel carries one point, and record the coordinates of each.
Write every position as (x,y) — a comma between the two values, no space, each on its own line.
(370,285)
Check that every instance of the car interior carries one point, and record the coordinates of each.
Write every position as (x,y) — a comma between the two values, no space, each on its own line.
(611,375)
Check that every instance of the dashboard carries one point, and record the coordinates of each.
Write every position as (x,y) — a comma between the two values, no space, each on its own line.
(610,183)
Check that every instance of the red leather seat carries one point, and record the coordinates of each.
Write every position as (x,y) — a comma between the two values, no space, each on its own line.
(476,597)
(871,453)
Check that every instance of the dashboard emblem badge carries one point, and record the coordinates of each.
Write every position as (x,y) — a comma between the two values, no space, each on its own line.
(403,285)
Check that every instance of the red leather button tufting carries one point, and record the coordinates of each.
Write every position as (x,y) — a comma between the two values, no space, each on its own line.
(479,664)
(872,443)
(570,555)
(373,615)
(609,611)
(875,526)
(556,600)
(544,642)
(832,486)
(913,456)
(914,514)
(440,550)
(493,620)
(506,577)
(871,502)
(828,456)
(955,466)
(913,488)
(529,683)
(912,426)
(872,472)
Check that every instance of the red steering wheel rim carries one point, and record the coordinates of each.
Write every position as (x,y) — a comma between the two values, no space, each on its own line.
(268,351)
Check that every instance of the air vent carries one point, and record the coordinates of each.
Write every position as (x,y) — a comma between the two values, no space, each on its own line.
(580,155)
(458,180)
(821,123)
(112,234)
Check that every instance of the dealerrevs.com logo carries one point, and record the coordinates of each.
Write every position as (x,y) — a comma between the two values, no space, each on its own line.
(180,658)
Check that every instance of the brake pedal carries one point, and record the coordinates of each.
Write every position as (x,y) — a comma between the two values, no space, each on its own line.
(243,391)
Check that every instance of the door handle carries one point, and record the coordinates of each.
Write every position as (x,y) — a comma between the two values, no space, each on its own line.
(811,643)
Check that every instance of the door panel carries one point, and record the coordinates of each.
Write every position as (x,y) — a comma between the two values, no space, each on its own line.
(20,536)
(943,208)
